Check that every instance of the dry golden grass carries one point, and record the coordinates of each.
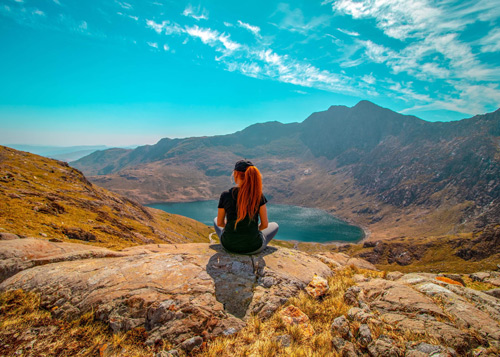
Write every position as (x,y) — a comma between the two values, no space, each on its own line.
(41,196)
(27,329)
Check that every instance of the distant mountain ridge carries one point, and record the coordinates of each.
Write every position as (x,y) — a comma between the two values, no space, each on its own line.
(367,164)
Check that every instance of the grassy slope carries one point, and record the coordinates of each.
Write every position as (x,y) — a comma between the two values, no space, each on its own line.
(41,197)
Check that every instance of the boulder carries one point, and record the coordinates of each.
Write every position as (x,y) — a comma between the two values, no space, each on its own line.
(176,292)
(20,254)
(317,287)
(340,260)
(292,315)
(8,236)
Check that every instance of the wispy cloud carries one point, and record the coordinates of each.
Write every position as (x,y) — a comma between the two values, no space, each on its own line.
(195,13)
(254,29)
(294,20)
(124,5)
(491,42)
(431,46)
(153,44)
(347,32)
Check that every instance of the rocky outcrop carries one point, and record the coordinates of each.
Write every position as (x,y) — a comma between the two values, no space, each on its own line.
(421,305)
(177,292)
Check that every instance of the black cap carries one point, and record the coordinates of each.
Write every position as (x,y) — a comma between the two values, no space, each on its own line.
(242,165)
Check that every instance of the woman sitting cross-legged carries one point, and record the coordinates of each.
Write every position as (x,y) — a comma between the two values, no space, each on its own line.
(237,222)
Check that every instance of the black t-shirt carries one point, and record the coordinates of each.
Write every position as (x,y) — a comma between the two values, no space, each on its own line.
(246,237)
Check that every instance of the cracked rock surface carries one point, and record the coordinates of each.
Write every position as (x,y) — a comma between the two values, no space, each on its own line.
(176,292)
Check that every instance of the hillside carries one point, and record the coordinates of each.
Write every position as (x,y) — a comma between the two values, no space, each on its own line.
(41,197)
(393,174)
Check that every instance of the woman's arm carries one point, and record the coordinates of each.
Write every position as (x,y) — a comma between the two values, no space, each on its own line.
(263,218)
(221,214)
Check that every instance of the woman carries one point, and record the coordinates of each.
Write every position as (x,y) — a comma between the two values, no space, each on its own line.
(237,222)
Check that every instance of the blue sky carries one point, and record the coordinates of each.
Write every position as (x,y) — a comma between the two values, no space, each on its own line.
(131,72)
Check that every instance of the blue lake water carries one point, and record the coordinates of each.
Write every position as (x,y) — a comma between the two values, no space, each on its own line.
(296,223)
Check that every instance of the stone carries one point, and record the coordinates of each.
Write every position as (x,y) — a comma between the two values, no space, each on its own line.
(480,276)
(20,254)
(339,260)
(174,291)
(493,281)
(170,353)
(359,314)
(191,343)
(341,326)
(455,277)
(384,346)
(494,292)
(351,295)
(344,348)
(394,275)
(317,287)
(284,340)
(8,236)
(292,315)
(364,335)
(417,349)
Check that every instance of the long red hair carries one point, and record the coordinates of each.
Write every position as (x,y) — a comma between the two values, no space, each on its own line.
(249,193)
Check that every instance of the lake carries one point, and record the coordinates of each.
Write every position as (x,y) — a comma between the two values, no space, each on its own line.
(296,223)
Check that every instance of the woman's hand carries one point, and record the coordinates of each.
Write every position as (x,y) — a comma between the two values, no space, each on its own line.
(264,222)
(221,214)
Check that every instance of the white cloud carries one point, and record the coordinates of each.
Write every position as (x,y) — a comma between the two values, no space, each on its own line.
(294,20)
(153,44)
(124,5)
(254,29)
(165,47)
(195,13)
(207,36)
(227,24)
(347,32)
(165,27)
(38,12)
(368,78)
(491,42)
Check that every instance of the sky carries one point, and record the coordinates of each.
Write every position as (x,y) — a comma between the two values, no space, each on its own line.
(131,72)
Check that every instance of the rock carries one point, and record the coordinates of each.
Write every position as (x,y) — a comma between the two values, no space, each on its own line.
(384,346)
(493,281)
(359,278)
(174,291)
(394,275)
(20,254)
(479,276)
(494,292)
(467,315)
(317,287)
(351,296)
(341,326)
(371,244)
(8,236)
(364,335)
(358,314)
(455,277)
(417,349)
(446,280)
(284,340)
(340,260)
(78,233)
(191,343)
(292,315)
(43,235)
(344,348)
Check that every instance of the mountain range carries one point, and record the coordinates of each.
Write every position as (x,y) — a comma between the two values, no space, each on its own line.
(395,175)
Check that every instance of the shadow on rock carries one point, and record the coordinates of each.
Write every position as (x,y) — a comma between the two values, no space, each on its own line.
(235,278)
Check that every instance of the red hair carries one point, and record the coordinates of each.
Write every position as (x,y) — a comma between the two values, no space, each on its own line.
(249,193)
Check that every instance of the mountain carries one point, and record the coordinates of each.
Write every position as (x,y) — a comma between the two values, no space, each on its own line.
(41,197)
(395,175)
